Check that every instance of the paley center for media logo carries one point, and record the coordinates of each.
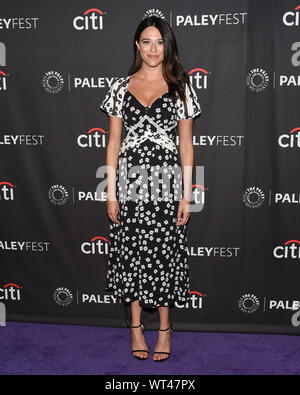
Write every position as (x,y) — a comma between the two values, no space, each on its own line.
(257,79)
(53,82)
(253,197)
(58,194)
(62,296)
(248,303)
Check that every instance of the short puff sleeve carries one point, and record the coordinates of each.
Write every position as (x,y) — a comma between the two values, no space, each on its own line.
(192,108)
(112,103)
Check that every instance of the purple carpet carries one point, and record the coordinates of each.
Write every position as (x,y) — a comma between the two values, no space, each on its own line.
(27,348)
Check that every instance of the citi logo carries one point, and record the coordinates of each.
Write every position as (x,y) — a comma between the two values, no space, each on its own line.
(195,301)
(92,19)
(93,138)
(199,78)
(97,245)
(3,77)
(289,250)
(291,18)
(6,191)
(290,140)
(10,291)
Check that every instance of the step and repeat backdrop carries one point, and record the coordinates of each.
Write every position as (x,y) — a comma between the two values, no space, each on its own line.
(57,61)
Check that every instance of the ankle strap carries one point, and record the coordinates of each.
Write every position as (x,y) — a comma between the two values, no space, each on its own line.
(170,327)
(136,326)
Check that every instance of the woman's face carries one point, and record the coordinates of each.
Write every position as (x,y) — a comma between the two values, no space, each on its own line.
(151,46)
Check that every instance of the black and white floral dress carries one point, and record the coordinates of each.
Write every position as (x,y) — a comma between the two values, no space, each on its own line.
(148,258)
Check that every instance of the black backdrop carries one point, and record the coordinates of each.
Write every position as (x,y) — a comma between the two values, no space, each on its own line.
(57,61)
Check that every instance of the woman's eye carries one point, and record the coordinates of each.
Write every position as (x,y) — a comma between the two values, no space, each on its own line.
(147,42)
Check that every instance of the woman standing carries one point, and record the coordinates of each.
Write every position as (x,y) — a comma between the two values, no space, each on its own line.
(148,263)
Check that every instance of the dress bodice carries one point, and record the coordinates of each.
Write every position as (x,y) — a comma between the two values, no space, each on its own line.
(157,122)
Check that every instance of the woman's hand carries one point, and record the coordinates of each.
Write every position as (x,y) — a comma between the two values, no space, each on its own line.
(183,213)
(112,210)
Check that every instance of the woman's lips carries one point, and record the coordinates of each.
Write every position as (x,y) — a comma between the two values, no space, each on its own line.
(153,56)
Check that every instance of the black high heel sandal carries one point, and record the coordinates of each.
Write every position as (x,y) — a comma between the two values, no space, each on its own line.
(142,359)
(163,352)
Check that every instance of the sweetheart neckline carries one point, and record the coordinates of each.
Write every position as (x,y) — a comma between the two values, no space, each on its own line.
(137,98)
(151,103)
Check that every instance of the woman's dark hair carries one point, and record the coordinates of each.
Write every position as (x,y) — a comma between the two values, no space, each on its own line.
(172,71)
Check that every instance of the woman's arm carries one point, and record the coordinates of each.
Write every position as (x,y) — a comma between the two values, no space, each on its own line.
(186,149)
(112,154)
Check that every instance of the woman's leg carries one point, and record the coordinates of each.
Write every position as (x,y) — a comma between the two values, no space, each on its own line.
(138,341)
(164,340)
